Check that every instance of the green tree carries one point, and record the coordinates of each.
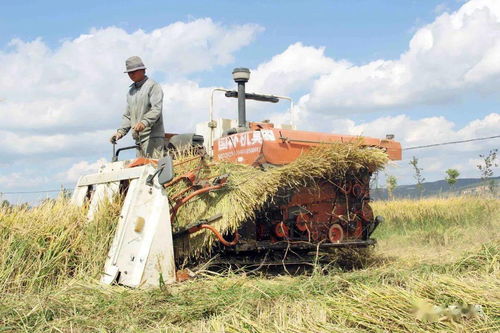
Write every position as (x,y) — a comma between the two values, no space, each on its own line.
(391,182)
(418,175)
(486,168)
(451,177)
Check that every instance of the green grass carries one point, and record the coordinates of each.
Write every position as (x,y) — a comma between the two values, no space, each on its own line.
(415,262)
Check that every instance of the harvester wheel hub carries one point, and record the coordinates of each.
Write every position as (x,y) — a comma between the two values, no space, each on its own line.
(281,230)
(335,233)
(302,221)
(357,191)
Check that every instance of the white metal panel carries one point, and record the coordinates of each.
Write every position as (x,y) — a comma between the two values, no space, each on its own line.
(110,176)
(82,186)
(106,183)
(79,194)
(154,256)
(101,193)
(122,225)
(140,252)
(113,166)
(142,249)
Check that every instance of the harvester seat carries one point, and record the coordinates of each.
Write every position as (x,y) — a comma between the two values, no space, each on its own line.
(185,141)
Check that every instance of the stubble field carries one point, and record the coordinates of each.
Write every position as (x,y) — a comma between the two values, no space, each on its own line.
(434,257)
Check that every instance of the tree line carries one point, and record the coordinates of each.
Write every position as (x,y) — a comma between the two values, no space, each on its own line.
(485,167)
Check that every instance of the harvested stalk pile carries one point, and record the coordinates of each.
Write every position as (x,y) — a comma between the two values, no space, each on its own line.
(249,189)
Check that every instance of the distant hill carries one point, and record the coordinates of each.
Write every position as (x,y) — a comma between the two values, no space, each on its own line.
(440,187)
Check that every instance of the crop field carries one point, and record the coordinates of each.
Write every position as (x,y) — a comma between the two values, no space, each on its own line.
(434,256)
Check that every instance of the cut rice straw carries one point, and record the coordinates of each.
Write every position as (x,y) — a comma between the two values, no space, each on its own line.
(249,189)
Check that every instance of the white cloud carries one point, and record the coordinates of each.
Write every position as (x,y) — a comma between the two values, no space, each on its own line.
(430,130)
(22,144)
(294,69)
(16,180)
(80,168)
(456,53)
(411,132)
(81,82)
(72,96)
(186,103)
(66,101)
(446,59)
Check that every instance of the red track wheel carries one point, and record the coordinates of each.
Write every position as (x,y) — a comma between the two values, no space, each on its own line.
(356,229)
(358,191)
(302,221)
(281,230)
(335,233)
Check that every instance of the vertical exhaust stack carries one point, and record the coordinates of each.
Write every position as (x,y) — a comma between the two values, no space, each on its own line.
(241,77)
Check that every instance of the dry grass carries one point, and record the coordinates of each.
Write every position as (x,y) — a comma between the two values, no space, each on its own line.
(437,228)
(44,246)
(50,260)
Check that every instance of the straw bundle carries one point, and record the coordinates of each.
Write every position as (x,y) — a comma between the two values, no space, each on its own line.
(249,189)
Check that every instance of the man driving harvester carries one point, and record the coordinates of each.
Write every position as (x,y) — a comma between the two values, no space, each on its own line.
(144,111)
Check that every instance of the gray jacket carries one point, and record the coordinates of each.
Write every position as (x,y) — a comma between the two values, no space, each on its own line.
(144,104)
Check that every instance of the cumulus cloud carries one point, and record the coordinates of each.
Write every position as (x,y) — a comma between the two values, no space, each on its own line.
(80,168)
(187,103)
(80,84)
(22,144)
(413,132)
(294,69)
(430,130)
(8,181)
(455,54)
(24,180)
(66,101)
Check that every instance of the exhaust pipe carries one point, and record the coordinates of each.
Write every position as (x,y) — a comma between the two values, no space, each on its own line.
(241,77)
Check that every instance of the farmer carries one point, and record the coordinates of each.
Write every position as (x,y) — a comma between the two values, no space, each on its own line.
(144,111)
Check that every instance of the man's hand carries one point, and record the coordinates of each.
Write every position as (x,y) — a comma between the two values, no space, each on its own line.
(139,127)
(116,136)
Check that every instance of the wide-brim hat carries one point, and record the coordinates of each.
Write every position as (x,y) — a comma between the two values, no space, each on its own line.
(133,64)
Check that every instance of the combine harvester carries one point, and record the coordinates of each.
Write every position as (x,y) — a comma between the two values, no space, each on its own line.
(149,244)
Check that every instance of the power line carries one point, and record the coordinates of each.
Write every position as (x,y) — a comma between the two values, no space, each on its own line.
(452,142)
(409,148)
(31,192)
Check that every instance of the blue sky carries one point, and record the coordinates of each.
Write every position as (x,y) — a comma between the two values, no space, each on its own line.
(348,44)
(357,30)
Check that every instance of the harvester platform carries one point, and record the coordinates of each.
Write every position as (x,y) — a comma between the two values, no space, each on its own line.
(142,249)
